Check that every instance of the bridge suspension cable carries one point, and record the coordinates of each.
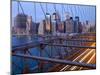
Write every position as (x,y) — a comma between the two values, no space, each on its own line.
(19,5)
(35,15)
(42,10)
(54,5)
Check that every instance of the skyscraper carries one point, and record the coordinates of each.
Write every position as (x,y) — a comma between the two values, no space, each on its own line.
(61,27)
(31,27)
(83,27)
(55,22)
(80,27)
(41,28)
(29,24)
(76,24)
(47,23)
(68,24)
(20,23)
(58,20)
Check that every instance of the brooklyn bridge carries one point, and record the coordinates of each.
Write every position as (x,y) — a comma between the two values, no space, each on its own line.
(54,44)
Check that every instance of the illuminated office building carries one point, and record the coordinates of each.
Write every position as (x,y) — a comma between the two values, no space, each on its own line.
(47,24)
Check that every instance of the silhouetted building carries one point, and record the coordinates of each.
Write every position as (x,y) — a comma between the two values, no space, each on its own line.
(91,26)
(72,24)
(80,27)
(86,27)
(61,27)
(41,28)
(29,25)
(36,27)
(76,24)
(20,23)
(55,22)
(83,27)
(54,25)
(69,24)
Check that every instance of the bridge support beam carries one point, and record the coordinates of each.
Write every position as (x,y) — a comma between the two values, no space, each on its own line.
(59,61)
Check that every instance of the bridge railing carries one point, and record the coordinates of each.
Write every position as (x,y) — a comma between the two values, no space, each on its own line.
(54,49)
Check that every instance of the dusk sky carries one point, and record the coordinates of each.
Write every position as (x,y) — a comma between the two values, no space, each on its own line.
(83,11)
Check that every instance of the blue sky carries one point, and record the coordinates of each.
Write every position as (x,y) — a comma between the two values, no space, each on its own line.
(83,11)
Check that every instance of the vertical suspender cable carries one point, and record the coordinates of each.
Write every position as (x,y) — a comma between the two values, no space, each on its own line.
(81,15)
(18,7)
(62,11)
(71,10)
(35,12)
(54,7)
(75,10)
(90,15)
(67,7)
(81,12)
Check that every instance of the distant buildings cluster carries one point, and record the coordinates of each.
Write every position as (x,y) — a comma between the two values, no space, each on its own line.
(52,24)
(23,24)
